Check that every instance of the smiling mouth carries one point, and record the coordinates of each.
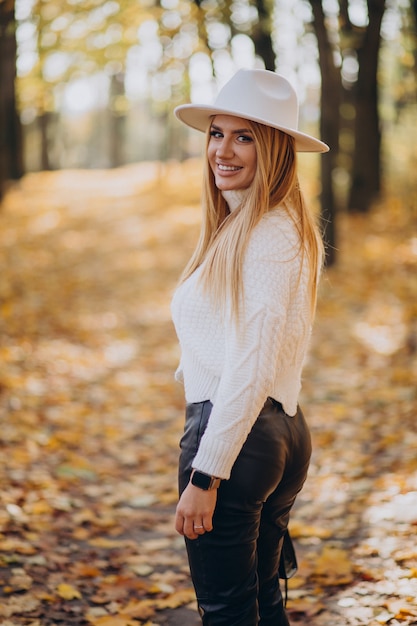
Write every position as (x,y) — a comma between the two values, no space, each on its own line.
(228,168)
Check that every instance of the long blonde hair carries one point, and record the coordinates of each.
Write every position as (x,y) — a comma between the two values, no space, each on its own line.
(224,236)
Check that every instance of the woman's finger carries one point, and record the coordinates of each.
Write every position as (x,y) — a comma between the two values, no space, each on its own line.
(199,528)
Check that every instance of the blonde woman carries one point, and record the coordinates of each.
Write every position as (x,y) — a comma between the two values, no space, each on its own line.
(243,314)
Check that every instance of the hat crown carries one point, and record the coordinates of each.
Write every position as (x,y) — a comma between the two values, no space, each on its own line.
(257,94)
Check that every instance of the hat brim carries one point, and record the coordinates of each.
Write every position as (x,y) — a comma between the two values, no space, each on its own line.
(199,118)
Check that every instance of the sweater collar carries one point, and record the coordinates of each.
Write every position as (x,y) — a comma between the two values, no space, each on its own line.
(234,197)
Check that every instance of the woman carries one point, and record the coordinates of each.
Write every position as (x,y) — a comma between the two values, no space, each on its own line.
(243,314)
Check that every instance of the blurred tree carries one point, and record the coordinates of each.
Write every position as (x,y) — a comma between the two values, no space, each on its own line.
(262,34)
(11,161)
(342,46)
(253,18)
(117,119)
(414,11)
(366,164)
(329,126)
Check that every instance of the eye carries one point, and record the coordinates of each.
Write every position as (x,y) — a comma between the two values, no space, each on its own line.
(216,133)
(244,139)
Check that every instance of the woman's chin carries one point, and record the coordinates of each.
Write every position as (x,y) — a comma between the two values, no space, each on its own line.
(227,184)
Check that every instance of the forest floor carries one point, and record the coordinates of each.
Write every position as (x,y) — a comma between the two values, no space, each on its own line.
(91,417)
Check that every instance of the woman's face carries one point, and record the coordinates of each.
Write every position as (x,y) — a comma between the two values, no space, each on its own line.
(231,152)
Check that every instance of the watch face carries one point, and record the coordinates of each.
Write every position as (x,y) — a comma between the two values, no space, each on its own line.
(201,480)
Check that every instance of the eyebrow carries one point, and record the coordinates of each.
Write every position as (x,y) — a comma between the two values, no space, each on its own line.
(237,131)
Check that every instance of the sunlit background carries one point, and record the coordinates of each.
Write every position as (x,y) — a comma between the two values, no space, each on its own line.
(97,81)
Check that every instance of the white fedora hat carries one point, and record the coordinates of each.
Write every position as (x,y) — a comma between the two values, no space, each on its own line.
(257,95)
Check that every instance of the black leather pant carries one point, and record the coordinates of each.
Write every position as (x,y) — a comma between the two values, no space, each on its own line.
(234,567)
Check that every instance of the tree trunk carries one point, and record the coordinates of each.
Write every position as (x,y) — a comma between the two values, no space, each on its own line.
(11,153)
(43,121)
(329,127)
(414,14)
(117,121)
(366,174)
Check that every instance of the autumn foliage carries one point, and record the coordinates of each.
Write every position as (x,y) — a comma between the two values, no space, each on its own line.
(91,415)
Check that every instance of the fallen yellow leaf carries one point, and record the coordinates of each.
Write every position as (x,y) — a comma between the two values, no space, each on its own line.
(140,610)
(309,606)
(68,592)
(112,620)
(176,599)
(333,566)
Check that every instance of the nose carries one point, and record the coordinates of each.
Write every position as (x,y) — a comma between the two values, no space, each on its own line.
(225,148)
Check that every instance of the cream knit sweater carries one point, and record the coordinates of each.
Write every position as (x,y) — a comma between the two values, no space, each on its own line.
(237,368)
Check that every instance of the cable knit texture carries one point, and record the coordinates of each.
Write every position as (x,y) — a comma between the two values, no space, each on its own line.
(237,366)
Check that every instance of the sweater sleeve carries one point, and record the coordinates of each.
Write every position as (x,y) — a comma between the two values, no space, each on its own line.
(270,272)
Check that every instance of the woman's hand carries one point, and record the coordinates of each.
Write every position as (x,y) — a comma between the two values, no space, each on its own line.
(194,514)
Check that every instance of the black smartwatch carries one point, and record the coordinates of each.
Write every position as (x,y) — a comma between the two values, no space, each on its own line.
(204,481)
